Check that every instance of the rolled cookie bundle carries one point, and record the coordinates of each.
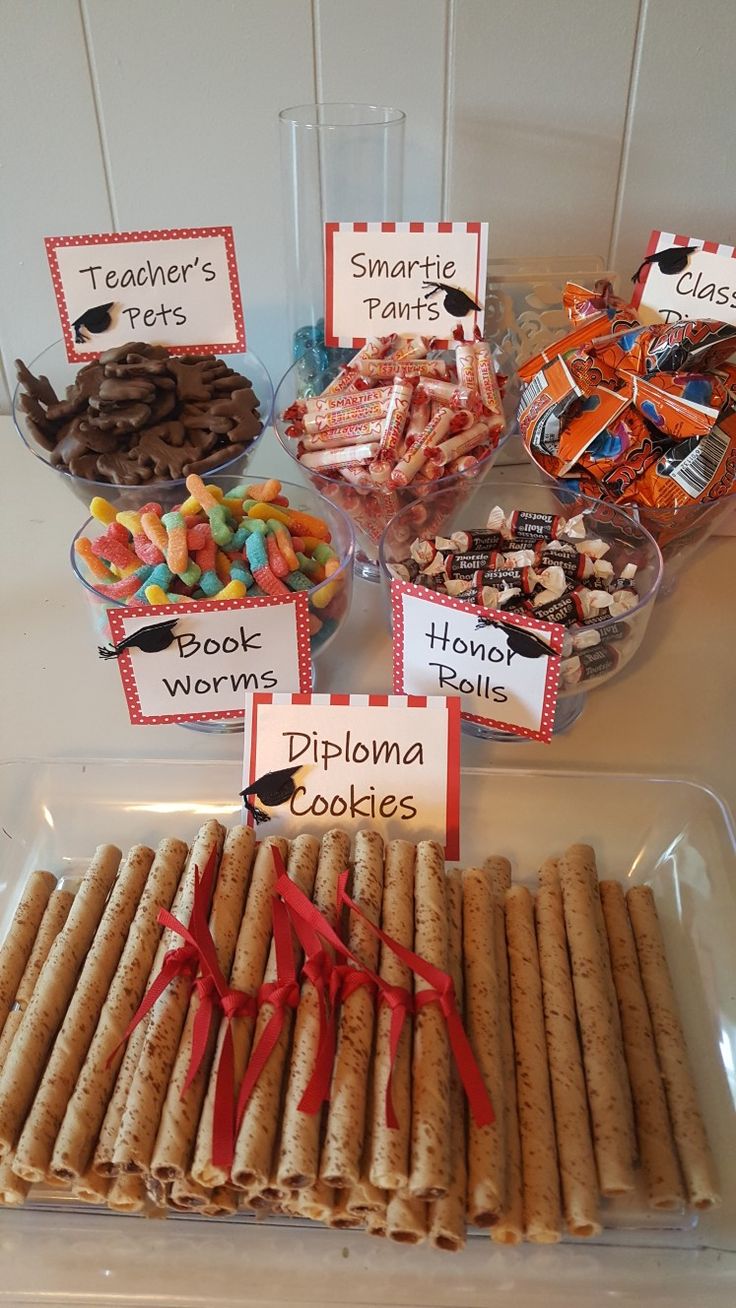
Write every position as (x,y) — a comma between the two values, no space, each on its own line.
(347,1084)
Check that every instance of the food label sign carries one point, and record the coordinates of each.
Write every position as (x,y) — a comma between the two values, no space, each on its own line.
(504,667)
(684,277)
(411,278)
(177,288)
(195,662)
(392,763)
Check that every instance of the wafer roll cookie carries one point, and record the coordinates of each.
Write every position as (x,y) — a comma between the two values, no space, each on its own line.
(606,1082)
(57,911)
(375,1224)
(86,1109)
(91,1188)
(298,1164)
(389,1159)
(486,1144)
(127,1193)
(364,1198)
(13,1191)
(223,1202)
(255,1147)
(137,1135)
(246,974)
(687,1123)
(112,1027)
(431,1167)
(50,999)
(18,943)
(509,1229)
(315,1202)
(36,1144)
(656,1146)
(447,1215)
(343,1145)
(187,1195)
(177,1131)
(574,1144)
(536,1121)
(342,1217)
(586,855)
(406,1219)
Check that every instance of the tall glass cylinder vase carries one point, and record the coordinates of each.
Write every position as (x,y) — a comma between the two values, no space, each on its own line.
(340,163)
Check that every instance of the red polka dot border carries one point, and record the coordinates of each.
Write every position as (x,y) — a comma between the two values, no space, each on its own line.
(552,631)
(53,243)
(118,616)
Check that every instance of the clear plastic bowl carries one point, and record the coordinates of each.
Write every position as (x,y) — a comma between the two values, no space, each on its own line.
(629,543)
(53,363)
(370,511)
(680,532)
(330,615)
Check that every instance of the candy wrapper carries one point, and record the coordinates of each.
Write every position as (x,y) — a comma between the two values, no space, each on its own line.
(636,415)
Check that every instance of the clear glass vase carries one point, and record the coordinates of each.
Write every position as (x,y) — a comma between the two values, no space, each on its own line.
(340,163)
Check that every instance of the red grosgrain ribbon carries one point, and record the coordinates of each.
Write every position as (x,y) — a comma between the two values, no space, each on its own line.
(442,992)
(345,980)
(183,961)
(235,1003)
(281,994)
(215,993)
(319,968)
(401,1002)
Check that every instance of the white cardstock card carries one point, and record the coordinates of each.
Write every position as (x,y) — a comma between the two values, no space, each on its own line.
(390,762)
(704,288)
(409,278)
(177,288)
(217,651)
(442,646)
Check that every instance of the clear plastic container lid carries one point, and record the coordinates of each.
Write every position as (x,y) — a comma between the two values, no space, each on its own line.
(674,835)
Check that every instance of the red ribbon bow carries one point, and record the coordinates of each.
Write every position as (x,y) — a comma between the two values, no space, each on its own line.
(198,955)
(441,991)
(183,961)
(281,994)
(344,980)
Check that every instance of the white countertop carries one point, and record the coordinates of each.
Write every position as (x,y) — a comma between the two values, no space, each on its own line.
(671,713)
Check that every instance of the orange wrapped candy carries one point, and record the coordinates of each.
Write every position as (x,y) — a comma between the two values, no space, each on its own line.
(644,415)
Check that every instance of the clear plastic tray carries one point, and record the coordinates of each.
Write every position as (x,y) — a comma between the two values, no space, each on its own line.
(675,835)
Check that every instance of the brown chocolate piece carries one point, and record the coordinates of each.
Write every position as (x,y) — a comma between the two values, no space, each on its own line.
(167,460)
(191,383)
(113,389)
(78,395)
(240,406)
(214,460)
(129,417)
(137,415)
(122,470)
(40,387)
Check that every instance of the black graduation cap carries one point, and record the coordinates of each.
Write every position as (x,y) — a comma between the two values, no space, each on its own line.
(273,788)
(151,639)
(456,302)
(525,643)
(670,261)
(93,321)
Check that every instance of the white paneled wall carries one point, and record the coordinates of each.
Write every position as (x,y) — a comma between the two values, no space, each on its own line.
(573,126)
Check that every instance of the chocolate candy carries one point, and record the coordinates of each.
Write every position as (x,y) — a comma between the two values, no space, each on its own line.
(587,664)
(466,565)
(138,415)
